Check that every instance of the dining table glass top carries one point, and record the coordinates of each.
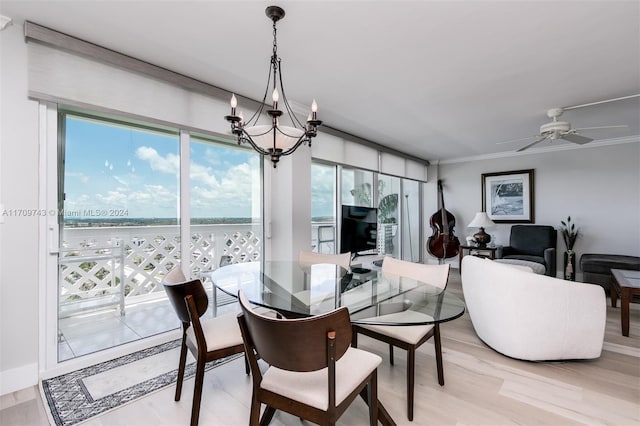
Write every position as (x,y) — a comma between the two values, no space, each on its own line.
(373,298)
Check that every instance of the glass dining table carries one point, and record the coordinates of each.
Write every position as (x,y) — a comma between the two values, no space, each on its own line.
(372,297)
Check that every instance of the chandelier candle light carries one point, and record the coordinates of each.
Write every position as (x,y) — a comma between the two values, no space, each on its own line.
(274,139)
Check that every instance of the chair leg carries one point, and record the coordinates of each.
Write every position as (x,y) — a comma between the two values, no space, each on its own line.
(436,340)
(354,338)
(247,369)
(254,415)
(411,366)
(267,416)
(373,399)
(197,392)
(391,354)
(181,366)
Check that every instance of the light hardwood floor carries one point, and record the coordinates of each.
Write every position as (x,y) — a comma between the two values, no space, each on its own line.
(482,387)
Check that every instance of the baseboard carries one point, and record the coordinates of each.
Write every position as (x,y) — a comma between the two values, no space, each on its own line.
(19,378)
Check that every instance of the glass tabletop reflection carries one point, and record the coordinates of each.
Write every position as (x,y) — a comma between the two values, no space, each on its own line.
(373,298)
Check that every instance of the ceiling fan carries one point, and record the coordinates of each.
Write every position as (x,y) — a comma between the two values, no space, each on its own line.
(556,129)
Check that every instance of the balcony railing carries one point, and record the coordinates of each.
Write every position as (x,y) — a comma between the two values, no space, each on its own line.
(120,265)
(115,266)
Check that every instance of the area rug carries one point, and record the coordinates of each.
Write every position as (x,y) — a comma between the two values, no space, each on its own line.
(80,395)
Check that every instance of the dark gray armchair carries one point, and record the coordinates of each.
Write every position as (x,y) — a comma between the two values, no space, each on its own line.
(534,243)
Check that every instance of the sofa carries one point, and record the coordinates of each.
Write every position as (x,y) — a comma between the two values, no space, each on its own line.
(532,243)
(596,268)
(530,316)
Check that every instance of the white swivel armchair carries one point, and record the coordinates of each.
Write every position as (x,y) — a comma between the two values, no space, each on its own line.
(531,316)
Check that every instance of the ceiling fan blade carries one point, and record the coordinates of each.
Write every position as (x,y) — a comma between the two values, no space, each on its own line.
(572,137)
(567,108)
(623,126)
(517,140)
(532,143)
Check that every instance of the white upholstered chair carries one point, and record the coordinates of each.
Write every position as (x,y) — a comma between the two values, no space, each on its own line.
(409,338)
(531,316)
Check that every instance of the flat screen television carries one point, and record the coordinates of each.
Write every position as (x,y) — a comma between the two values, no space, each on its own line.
(359,230)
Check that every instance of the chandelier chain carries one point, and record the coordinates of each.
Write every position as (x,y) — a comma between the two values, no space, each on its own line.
(274,58)
(275,43)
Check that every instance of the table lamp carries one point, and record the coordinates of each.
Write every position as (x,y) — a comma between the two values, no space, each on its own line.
(481,220)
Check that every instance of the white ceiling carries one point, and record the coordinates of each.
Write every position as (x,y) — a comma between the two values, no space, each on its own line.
(438,80)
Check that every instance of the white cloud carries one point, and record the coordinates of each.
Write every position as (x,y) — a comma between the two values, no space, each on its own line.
(218,188)
(203,174)
(169,164)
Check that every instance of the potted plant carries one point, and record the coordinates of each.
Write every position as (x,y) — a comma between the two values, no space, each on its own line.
(569,236)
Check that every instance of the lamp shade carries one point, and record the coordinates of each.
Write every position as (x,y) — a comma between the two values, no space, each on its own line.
(481,220)
(286,136)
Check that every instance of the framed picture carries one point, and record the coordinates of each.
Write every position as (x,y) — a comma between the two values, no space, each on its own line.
(507,197)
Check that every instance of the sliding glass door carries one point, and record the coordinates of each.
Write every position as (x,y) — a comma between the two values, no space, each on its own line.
(398,202)
(225,204)
(124,223)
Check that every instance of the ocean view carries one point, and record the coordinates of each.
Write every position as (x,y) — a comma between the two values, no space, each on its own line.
(76,222)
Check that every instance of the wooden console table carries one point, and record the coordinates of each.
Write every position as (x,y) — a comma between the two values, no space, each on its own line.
(489,252)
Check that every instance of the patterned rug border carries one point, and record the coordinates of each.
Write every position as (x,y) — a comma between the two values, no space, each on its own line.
(69,402)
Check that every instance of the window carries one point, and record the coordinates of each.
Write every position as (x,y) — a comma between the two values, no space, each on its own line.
(357,187)
(119,227)
(397,199)
(323,207)
(122,228)
(411,219)
(389,215)
(225,204)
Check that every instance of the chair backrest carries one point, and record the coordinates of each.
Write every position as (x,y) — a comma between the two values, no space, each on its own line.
(436,275)
(177,288)
(308,258)
(532,239)
(296,344)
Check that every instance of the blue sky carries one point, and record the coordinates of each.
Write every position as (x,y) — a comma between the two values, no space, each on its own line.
(110,168)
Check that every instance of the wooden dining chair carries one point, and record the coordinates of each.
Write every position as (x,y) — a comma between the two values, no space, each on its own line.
(208,339)
(409,338)
(308,258)
(315,375)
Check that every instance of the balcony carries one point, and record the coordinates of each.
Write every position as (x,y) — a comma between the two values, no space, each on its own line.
(110,290)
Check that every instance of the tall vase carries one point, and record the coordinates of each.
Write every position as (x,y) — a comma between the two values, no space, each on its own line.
(570,265)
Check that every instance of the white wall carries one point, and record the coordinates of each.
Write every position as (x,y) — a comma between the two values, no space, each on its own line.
(598,186)
(18,234)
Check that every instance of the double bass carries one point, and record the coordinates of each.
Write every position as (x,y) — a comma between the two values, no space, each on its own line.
(442,244)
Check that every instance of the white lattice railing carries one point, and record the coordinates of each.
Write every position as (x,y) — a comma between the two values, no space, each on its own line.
(119,265)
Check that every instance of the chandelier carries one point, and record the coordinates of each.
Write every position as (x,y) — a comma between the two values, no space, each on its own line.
(274,139)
